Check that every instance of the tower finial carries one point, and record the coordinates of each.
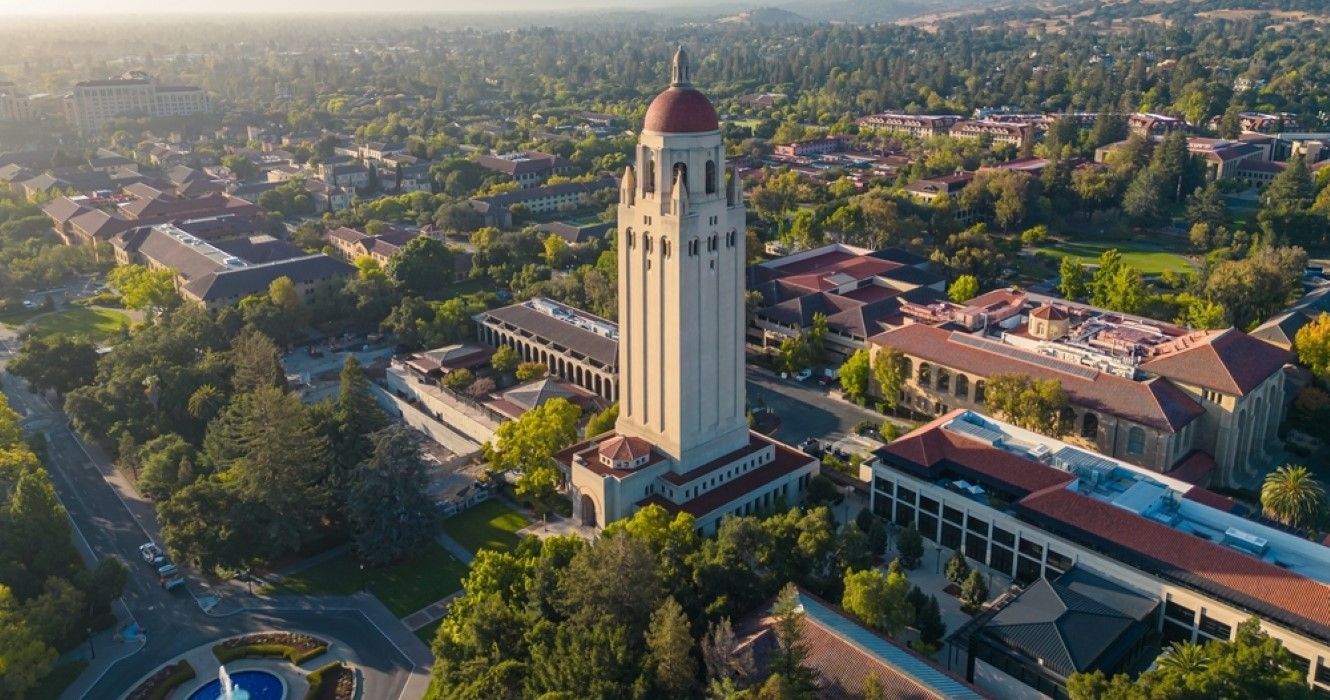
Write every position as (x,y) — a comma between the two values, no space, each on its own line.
(680,77)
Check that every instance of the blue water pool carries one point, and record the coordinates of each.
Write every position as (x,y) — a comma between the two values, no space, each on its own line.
(256,685)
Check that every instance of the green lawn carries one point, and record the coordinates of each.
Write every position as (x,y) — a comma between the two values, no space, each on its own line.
(1149,261)
(490,525)
(17,317)
(404,587)
(98,324)
(426,633)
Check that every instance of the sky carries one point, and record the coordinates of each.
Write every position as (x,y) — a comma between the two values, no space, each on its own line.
(117,7)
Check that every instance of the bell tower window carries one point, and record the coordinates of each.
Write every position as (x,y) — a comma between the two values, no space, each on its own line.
(711,177)
(649,179)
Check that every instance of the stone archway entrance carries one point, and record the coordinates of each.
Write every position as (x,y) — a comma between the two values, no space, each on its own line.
(588,511)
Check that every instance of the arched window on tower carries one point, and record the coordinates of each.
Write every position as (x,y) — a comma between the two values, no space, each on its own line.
(646,242)
(665,246)
(711,177)
(680,169)
(632,238)
(649,175)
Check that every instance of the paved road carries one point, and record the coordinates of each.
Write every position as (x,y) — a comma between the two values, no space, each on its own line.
(111,521)
(804,408)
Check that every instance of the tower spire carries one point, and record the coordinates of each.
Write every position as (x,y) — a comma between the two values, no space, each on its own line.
(680,74)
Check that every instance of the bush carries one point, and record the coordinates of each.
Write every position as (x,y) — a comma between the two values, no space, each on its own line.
(459,379)
(161,683)
(296,648)
(957,568)
(108,299)
(910,547)
(335,681)
(530,370)
(974,592)
(888,431)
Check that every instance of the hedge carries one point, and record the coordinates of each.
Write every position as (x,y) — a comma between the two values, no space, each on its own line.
(226,654)
(319,676)
(163,682)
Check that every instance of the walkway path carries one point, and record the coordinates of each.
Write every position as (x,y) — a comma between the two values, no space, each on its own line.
(430,613)
(454,548)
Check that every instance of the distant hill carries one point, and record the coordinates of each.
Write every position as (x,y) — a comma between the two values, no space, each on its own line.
(869,11)
(764,17)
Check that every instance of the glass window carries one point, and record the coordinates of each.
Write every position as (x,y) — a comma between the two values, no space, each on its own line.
(1215,628)
(928,505)
(955,516)
(1059,561)
(951,536)
(1179,612)
(977,526)
(904,514)
(905,495)
(1001,559)
(976,547)
(1027,569)
(1174,632)
(928,526)
(1033,549)
(1135,441)
(883,485)
(1003,537)
(882,506)
(1322,671)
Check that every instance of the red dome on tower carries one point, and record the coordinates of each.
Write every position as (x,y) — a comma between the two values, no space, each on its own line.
(681,109)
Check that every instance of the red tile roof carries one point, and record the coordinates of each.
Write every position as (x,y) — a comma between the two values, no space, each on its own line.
(1228,361)
(681,110)
(787,461)
(1154,403)
(621,448)
(1246,581)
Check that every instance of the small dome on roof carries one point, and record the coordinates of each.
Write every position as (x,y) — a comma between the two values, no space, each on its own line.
(681,109)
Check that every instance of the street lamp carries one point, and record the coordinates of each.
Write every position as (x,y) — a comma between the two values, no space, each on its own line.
(362,577)
(937,563)
(91,649)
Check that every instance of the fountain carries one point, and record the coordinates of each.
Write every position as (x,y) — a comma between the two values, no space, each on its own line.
(244,685)
(229,688)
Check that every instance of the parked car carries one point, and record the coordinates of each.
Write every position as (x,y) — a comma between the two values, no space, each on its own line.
(169,577)
(152,554)
(812,447)
(803,375)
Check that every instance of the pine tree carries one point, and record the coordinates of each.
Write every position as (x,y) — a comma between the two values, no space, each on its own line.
(958,569)
(670,647)
(387,505)
(356,416)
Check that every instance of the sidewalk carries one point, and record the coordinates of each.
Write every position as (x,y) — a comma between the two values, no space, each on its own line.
(462,554)
(430,613)
(109,652)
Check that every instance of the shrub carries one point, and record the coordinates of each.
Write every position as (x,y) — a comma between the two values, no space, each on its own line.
(335,681)
(888,431)
(974,592)
(957,568)
(161,683)
(530,370)
(294,647)
(459,379)
(910,547)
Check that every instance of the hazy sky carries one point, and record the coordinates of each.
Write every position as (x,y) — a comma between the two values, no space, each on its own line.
(102,7)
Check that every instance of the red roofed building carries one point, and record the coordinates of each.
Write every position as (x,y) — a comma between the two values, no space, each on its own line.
(1146,392)
(1030,507)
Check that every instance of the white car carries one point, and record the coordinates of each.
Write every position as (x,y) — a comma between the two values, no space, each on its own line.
(803,375)
(152,554)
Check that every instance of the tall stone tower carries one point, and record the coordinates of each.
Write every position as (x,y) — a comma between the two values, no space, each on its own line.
(681,283)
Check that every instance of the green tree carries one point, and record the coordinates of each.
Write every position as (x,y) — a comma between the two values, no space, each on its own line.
(1291,495)
(974,591)
(1207,206)
(143,288)
(283,295)
(387,503)
(459,379)
(1116,285)
(669,649)
(604,421)
(529,443)
(963,289)
(879,599)
(1040,405)
(889,373)
(1285,205)
(1143,202)
(255,361)
(24,657)
(166,464)
(910,547)
(357,416)
(958,569)
(790,658)
(60,364)
(531,370)
(854,374)
(424,267)
(505,359)
(1312,342)
(1071,279)
(928,620)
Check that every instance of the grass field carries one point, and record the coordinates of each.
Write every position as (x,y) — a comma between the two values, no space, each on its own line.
(426,633)
(404,587)
(98,324)
(490,525)
(1149,261)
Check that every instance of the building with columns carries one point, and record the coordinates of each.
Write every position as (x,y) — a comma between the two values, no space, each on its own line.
(1202,405)
(576,346)
(682,439)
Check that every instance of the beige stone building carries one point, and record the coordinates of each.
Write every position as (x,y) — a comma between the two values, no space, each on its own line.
(1151,394)
(682,440)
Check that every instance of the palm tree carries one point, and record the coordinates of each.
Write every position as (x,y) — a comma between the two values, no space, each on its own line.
(1185,658)
(1291,496)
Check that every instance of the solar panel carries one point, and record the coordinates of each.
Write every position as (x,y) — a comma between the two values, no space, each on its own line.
(1000,348)
(912,666)
(978,432)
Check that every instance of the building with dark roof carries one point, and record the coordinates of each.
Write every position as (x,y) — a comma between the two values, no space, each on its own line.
(497,209)
(1075,623)
(351,243)
(860,292)
(1030,507)
(527,168)
(221,273)
(575,345)
(1146,392)
(843,653)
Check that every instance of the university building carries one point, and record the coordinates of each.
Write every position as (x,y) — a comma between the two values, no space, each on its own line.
(95,103)
(1203,405)
(1154,554)
(576,346)
(682,440)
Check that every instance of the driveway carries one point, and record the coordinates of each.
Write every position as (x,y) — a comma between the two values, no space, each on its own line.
(805,408)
